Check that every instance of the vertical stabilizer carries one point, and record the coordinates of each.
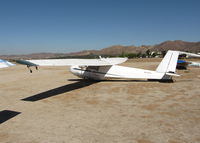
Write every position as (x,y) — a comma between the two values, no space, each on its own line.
(169,62)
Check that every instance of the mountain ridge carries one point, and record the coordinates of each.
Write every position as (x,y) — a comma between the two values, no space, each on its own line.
(116,50)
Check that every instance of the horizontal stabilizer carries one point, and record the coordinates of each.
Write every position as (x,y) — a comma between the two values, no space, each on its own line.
(172,74)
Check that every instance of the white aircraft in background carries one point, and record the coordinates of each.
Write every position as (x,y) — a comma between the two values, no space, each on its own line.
(194,64)
(5,64)
(108,68)
(182,64)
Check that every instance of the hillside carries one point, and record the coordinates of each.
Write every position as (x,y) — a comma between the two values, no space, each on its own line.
(178,45)
(115,50)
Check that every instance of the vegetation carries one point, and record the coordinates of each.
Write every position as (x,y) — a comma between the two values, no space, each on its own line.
(147,54)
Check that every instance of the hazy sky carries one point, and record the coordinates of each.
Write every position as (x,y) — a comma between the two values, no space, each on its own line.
(30,26)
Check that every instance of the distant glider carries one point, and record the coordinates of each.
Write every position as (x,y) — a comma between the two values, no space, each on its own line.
(108,68)
(5,64)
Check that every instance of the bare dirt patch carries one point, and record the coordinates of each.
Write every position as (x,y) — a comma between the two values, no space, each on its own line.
(122,111)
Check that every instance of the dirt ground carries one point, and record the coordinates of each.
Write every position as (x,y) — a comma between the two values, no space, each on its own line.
(53,106)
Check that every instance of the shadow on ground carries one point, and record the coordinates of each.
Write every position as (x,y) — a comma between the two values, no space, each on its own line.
(80,83)
(59,90)
(7,114)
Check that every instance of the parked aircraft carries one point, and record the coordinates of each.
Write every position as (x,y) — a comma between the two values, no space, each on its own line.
(4,64)
(194,64)
(108,68)
(182,64)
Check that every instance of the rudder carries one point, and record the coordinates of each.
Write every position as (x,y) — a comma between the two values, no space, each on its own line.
(169,62)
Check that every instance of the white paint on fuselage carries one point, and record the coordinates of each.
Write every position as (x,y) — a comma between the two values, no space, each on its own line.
(115,71)
(133,73)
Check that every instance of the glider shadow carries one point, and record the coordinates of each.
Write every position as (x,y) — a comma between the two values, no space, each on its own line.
(7,114)
(59,90)
(80,83)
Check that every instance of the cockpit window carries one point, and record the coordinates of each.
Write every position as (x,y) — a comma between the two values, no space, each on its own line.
(92,68)
(83,67)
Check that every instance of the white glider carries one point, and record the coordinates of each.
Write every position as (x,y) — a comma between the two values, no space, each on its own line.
(108,68)
(5,64)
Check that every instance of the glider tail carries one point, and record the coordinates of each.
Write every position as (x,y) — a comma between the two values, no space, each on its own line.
(169,62)
(168,65)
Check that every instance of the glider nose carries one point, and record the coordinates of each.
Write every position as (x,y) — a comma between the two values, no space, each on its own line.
(76,70)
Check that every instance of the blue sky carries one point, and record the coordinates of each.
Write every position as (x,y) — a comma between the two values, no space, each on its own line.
(31,26)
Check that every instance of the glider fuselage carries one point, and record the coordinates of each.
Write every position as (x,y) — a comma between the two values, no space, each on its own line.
(115,71)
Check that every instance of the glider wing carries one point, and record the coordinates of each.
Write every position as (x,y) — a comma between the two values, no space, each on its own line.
(4,64)
(71,62)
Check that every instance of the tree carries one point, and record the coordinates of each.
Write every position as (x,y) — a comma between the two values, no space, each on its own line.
(163,53)
(148,53)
